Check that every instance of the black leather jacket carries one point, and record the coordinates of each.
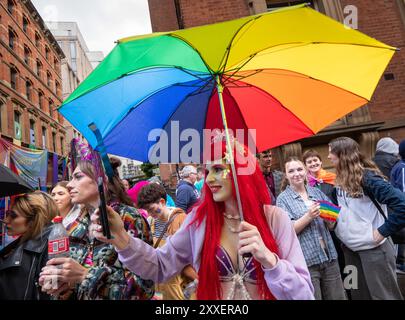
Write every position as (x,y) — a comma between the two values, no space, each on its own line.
(20,265)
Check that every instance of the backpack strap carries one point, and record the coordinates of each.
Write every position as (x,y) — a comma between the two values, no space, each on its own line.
(165,228)
(372,198)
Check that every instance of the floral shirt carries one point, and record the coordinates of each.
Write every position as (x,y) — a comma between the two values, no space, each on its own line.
(107,278)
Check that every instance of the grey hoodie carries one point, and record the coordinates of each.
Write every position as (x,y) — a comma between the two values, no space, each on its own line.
(388,145)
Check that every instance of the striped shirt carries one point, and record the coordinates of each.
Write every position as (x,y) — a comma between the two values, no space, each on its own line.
(159,226)
(294,205)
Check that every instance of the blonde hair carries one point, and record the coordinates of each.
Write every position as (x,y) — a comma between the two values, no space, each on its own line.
(285,182)
(39,209)
(351,166)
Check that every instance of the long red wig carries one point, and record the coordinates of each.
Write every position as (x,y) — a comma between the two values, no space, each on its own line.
(254,195)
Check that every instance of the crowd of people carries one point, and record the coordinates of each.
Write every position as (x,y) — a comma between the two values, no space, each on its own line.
(207,243)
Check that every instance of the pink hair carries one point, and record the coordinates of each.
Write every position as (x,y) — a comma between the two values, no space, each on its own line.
(133,192)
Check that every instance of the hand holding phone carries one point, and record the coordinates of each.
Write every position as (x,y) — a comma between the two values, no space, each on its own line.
(103,210)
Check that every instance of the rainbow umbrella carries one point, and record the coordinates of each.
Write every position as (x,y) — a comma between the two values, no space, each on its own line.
(287,73)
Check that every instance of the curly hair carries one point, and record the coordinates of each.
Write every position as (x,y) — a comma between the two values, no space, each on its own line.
(351,166)
(150,193)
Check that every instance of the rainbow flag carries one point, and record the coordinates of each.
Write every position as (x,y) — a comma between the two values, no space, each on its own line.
(328,210)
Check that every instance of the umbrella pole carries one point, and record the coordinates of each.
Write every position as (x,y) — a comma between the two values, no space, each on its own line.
(228,144)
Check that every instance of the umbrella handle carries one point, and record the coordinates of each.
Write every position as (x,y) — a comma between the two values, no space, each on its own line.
(228,144)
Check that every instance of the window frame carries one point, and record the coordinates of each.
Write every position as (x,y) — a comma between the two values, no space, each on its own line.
(38,64)
(48,78)
(54,141)
(38,39)
(32,132)
(28,89)
(27,54)
(43,135)
(12,10)
(57,86)
(25,23)
(15,73)
(47,52)
(17,116)
(12,38)
(50,107)
(62,141)
(41,97)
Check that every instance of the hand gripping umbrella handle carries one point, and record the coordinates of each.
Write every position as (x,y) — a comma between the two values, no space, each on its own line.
(231,159)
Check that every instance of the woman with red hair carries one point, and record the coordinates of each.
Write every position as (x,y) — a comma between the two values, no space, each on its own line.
(258,258)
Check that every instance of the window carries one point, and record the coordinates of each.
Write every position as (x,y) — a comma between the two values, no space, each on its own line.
(10,6)
(39,68)
(27,54)
(25,24)
(47,53)
(28,89)
(41,100)
(275,4)
(37,40)
(44,137)
(17,125)
(72,50)
(13,78)
(62,148)
(32,132)
(55,63)
(48,78)
(11,38)
(73,56)
(401,7)
(51,108)
(1,115)
(57,87)
(54,141)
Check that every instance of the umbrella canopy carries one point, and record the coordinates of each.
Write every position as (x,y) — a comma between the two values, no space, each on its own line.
(287,73)
(10,183)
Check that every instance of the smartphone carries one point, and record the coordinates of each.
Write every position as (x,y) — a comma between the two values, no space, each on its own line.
(103,210)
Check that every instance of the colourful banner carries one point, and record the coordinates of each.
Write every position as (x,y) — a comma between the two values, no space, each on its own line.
(55,168)
(31,165)
(4,238)
(65,175)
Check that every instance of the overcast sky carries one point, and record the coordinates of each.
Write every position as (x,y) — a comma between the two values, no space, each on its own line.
(101,22)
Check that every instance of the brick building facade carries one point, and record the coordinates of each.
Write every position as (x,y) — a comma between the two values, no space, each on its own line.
(30,79)
(383,20)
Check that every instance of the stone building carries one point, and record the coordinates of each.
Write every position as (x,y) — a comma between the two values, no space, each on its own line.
(383,20)
(30,80)
(78,63)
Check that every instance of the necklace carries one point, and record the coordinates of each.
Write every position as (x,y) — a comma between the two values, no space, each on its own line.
(229,216)
(230,228)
